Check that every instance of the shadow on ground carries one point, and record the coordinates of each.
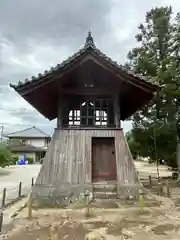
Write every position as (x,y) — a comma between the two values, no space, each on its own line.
(73,224)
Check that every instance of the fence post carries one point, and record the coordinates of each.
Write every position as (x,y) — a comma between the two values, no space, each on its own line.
(160,188)
(32,183)
(29,205)
(4,198)
(1,220)
(150,180)
(167,188)
(20,189)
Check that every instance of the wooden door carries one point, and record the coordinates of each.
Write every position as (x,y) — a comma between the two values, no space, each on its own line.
(103,159)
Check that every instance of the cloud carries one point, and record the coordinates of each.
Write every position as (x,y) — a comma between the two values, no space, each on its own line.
(59,22)
(37,34)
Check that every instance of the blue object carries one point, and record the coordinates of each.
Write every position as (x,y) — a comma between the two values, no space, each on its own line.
(22,161)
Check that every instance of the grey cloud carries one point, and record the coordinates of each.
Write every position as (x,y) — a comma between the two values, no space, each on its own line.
(26,119)
(28,116)
(57,21)
(25,25)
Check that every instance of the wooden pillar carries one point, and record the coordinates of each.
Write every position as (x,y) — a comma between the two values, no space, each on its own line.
(117,118)
(60,113)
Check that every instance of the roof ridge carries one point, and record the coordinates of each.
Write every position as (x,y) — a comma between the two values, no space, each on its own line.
(89,41)
(26,130)
(41,131)
(18,131)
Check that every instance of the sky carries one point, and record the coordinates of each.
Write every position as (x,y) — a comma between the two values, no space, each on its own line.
(38,34)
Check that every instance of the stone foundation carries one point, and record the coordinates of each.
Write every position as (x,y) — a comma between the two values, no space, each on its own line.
(54,196)
(51,195)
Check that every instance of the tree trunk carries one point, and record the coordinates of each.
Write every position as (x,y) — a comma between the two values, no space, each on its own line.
(178,159)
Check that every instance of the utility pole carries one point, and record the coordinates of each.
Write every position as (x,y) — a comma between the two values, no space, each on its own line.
(2,130)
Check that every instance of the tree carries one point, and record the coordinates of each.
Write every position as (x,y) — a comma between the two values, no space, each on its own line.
(5,155)
(157,58)
(142,144)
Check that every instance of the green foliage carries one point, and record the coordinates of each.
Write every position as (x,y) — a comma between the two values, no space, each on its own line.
(30,160)
(141,143)
(5,155)
(158,58)
(14,160)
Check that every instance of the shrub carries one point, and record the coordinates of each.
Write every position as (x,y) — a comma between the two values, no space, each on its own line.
(14,160)
(171,161)
(5,155)
(30,160)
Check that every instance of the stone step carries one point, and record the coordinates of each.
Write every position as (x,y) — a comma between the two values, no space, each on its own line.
(105,195)
(105,190)
(108,190)
(103,187)
(104,203)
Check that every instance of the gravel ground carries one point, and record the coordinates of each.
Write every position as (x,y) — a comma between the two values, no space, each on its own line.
(110,224)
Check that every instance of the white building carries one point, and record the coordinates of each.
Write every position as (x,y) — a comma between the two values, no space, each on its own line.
(31,142)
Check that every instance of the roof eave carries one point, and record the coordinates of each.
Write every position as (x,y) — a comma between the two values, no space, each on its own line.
(88,47)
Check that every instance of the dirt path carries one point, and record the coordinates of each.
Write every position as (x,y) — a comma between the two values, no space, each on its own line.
(9,212)
(167,203)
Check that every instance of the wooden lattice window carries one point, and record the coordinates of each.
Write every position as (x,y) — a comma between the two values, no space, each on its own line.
(95,113)
(101,118)
(74,118)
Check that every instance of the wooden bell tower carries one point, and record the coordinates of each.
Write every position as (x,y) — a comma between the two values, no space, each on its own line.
(89,94)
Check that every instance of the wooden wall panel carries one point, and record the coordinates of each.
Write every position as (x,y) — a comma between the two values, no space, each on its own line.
(69,157)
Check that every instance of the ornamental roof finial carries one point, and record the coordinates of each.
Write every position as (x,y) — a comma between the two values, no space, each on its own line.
(89,41)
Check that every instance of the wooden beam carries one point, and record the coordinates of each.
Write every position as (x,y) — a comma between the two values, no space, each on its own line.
(60,108)
(88,91)
(127,77)
(117,117)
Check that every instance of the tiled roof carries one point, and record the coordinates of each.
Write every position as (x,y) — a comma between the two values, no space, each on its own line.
(32,132)
(89,46)
(24,148)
